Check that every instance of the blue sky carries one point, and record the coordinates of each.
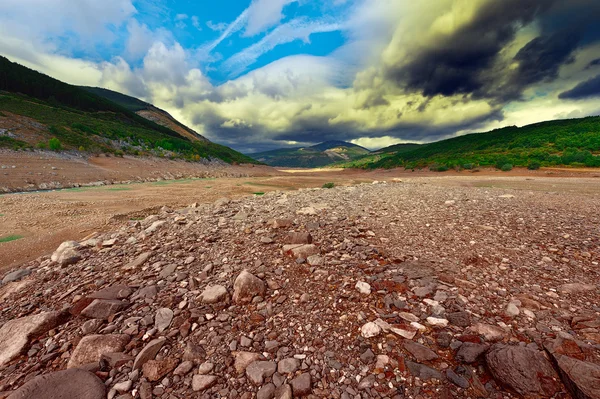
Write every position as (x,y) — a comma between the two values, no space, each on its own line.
(263,74)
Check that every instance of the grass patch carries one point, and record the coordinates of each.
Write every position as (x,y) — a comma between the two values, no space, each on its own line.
(1,214)
(208,187)
(119,189)
(328,185)
(259,193)
(10,238)
(136,219)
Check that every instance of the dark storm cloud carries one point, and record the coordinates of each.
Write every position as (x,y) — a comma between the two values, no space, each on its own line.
(593,64)
(588,89)
(461,63)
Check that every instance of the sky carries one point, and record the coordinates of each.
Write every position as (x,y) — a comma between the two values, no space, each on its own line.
(262,74)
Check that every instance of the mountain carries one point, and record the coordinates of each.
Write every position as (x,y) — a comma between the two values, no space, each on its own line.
(316,156)
(574,142)
(39,111)
(147,111)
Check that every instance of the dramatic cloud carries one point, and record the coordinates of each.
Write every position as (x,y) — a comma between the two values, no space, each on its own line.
(392,71)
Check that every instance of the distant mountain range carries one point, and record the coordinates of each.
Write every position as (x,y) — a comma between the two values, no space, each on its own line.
(38,111)
(316,156)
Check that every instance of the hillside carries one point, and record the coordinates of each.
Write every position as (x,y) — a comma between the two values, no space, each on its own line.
(37,111)
(571,142)
(316,156)
(375,156)
(147,111)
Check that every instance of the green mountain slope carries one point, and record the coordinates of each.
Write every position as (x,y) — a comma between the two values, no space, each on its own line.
(130,103)
(319,155)
(35,108)
(573,142)
(375,156)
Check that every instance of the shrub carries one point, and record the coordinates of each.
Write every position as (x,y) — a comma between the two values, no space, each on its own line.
(469,166)
(507,167)
(81,148)
(439,168)
(534,165)
(329,185)
(42,145)
(54,144)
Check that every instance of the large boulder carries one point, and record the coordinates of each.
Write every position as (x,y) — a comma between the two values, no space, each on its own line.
(524,370)
(67,253)
(581,378)
(246,287)
(74,383)
(15,334)
(91,348)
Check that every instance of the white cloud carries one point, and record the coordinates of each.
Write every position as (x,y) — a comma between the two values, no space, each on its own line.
(217,27)
(264,14)
(196,22)
(376,143)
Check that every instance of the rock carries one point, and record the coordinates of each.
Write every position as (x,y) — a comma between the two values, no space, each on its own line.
(283,392)
(282,223)
(155,370)
(258,370)
(214,294)
(167,271)
(116,359)
(138,262)
(363,288)
(581,378)
(424,372)
(103,308)
(123,387)
(490,333)
(91,348)
(576,288)
(469,352)
(246,287)
(193,352)
(288,366)
(301,251)
(203,382)
(299,238)
(154,226)
(266,392)
(15,334)
(184,368)
(16,276)
(459,319)
(244,359)
(147,292)
(512,310)
(456,379)
(301,385)
(367,356)
(91,326)
(205,368)
(437,322)
(524,370)
(113,292)
(74,383)
(370,330)
(314,260)
(420,352)
(163,319)
(67,253)
(149,352)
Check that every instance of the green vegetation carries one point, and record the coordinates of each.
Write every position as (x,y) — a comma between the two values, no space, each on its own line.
(130,103)
(328,185)
(119,189)
(54,144)
(10,238)
(574,142)
(507,167)
(439,168)
(259,193)
(79,119)
(534,165)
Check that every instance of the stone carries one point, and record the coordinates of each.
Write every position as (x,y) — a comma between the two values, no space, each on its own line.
(370,330)
(288,366)
(363,288)
(147,292)
(214,294)
(244,359)
(259,370)
(420,352)
(581,378)
(437,322)
(184,368)
(91,326)
(301,251)
(148,353)
(193,352)
(113,292)
(154,370)
(282,223)
(206,368)
(299,238)
(266,392)
(15,334)
(469,352)
(424,372)
(123,386)
(301,385)
(456,379)
(367,356)
(314,260)
(367,382)
(73,383)
(524,370)
(162,319)
(490,333)
(138,262)
(91,348)
(154,226)
(16,276)
(512,310)
(283,392)
(576,288)
(167,271)
(103,308)
(115,359)
(246,287)
(203,382)
(459,319)
(67,253)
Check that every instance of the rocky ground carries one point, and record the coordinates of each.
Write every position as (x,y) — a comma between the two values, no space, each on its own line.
(385,290)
